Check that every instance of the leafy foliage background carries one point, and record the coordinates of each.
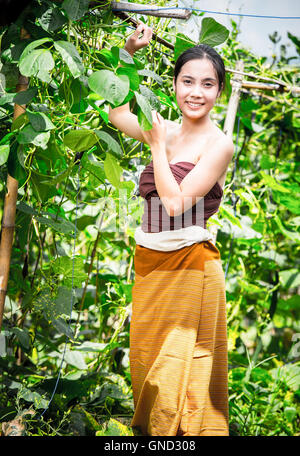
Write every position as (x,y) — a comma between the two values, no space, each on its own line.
(77,173)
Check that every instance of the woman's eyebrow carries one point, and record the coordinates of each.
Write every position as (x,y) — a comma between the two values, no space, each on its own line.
(191,77)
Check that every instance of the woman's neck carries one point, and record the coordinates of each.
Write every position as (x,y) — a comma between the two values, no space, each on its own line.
(190,127)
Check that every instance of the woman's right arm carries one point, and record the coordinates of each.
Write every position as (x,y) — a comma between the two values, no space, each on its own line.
(121,117)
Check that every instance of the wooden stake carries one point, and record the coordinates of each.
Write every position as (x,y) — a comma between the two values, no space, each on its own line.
(151,10)
(237,83)
(9,215)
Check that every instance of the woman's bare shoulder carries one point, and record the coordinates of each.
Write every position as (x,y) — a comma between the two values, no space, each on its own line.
(225,140)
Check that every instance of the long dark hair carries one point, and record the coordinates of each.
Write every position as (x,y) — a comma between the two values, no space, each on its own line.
(203,51)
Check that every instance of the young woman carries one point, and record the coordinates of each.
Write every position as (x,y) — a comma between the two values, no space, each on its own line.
(178,329)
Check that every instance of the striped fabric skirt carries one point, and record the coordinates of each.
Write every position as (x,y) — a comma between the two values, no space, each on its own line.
(178,342)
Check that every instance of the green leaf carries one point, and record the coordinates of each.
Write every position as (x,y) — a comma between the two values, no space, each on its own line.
(151,97)
(50,305)
(32,396)
(289,201)
(39,121)
(14,167)
(144,113)
(75,9)
(23,336)
(63,301)
(272,183)
(38,63)
(91,346)
(112,170)
(226,213)
(290,278)
(125,57)
(151,74)
(70,56)
(109,86)
(42,191)
(76,359)
(4,153)
(61,225)
(80,140)
(143,121)
(33,45)
(181,44)
(212,32)
(23,207)
(62,327)
(25,96)
(95,168)
(290,413)
(7,98)
(30,136)
(111,142)
(131,73)
(52,19)
(63,266)
(114,427)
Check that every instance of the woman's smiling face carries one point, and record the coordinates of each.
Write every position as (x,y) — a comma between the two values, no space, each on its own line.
(197,88)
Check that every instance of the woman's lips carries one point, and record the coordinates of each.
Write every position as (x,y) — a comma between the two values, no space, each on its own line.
(194,106)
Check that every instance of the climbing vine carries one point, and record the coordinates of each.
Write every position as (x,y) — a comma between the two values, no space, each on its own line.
(67,307)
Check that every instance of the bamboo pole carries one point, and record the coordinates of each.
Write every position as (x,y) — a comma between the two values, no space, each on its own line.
(237,83)
(151,10)
(9,213)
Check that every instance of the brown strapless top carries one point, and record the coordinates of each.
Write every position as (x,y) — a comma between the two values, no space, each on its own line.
(155,217)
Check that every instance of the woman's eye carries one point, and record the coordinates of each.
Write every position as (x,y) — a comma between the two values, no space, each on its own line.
(186,80)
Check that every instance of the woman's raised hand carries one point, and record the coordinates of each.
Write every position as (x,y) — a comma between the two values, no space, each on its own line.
(134,43)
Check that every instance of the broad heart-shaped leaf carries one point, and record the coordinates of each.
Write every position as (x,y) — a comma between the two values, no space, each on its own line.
(152,75)
(23,336)
(75,358)
(151,97)
(111,142)
(49,304)
(181,44)
(32,46)
(14,166)
(144,114)
(7,98)
(109,86)
(125,57)
(43,192)
(75,9)
(131,73)
(95,168)
(64,266)
(4,153)
(30,136)
(70,56)
(60,225)
(39,121)
(290,201)
(212,32)
(80,140)
(25,96)
(112,170)
(52,19)
(38,63)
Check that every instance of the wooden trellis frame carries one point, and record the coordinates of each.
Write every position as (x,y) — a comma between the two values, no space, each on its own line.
(9,212)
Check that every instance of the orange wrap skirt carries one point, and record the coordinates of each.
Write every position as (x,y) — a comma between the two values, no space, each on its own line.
(178,342)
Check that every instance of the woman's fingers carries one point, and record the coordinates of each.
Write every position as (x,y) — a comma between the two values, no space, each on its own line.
(147,33)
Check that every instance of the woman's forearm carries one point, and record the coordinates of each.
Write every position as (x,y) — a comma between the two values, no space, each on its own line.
(166,185)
